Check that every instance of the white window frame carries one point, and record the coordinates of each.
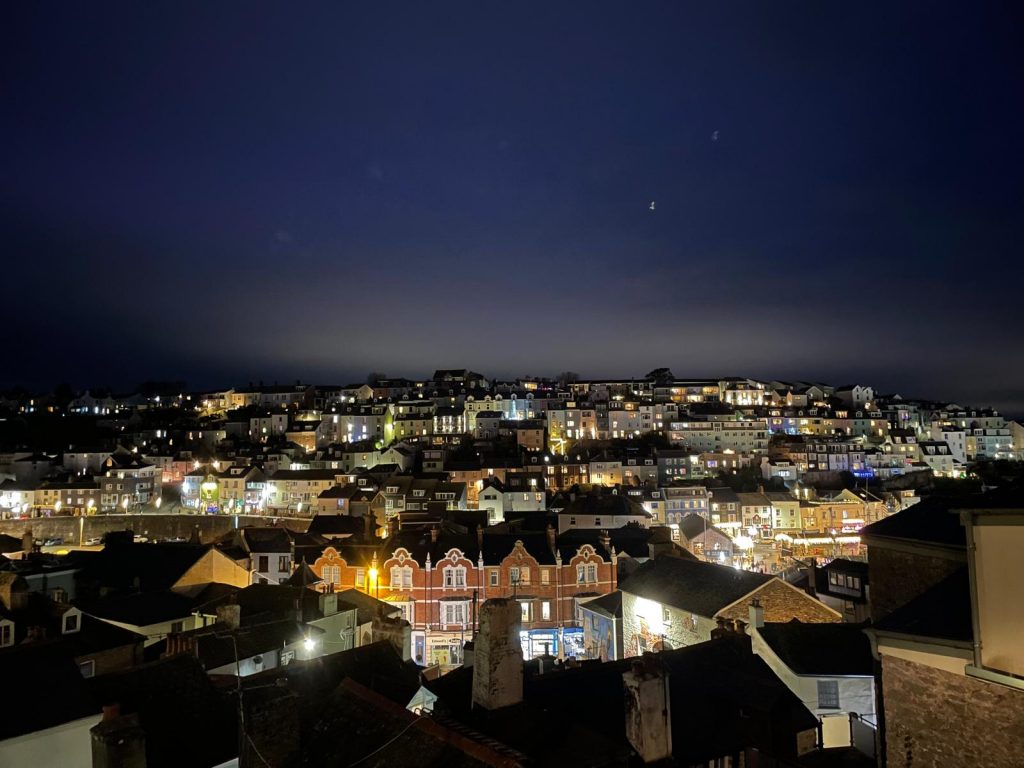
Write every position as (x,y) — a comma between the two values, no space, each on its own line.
(454,577)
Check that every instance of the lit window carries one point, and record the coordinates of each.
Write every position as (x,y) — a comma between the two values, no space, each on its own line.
(526,609)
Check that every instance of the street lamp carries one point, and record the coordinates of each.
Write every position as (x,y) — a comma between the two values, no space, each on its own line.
(372,573)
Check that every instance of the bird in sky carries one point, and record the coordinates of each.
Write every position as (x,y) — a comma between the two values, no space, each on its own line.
(714,135)
(652,205)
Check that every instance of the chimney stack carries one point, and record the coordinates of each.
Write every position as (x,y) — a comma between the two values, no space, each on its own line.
(433,534)
(118,741)
(229,615)
(648,712)
(756,615)
(498,655)
(480,538)
(552,537)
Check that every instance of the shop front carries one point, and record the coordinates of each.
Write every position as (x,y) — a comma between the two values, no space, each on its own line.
(554,642)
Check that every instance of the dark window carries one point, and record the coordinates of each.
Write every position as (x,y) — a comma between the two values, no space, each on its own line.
(828,694)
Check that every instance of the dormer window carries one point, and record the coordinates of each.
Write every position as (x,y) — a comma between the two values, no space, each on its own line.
(72,622)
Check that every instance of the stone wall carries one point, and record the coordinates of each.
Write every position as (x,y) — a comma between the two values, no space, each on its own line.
(896,578)
(937,718)
(781,603)
(210,527)
(644,628)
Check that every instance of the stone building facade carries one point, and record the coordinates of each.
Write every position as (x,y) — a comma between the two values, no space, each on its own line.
(987,729)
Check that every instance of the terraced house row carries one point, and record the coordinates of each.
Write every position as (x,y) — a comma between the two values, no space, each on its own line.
(439,578)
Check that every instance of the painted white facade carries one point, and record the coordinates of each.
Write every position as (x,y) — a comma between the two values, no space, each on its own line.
(68,745)
(856,694)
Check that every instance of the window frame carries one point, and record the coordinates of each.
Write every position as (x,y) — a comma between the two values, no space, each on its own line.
(828,694)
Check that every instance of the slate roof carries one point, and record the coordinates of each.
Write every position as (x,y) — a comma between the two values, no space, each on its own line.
(366,607)
(140,610)
(303,576)
(820,649)
(376,665)
(260,603)
(942,612)
(609,605)
(31,676)
(146,567)
(694,525)
(739,700)
(604,504)
(692,585)
(267,539)
(353,725)
(632,540)
(934,520)
(186,720)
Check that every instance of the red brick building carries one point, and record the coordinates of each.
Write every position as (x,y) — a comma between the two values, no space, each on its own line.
(438,579)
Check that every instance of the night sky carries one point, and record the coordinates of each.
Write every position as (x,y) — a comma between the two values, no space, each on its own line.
(231,192)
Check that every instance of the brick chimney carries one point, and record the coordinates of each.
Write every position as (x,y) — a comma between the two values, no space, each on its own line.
(480,538)
(118,741)
(433,534)
(648,712)
(498,655)
(552,537)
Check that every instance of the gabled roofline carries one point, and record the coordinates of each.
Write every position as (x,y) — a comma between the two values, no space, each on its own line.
(916,546)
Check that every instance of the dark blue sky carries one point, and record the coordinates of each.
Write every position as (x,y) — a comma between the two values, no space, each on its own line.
(225,192)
